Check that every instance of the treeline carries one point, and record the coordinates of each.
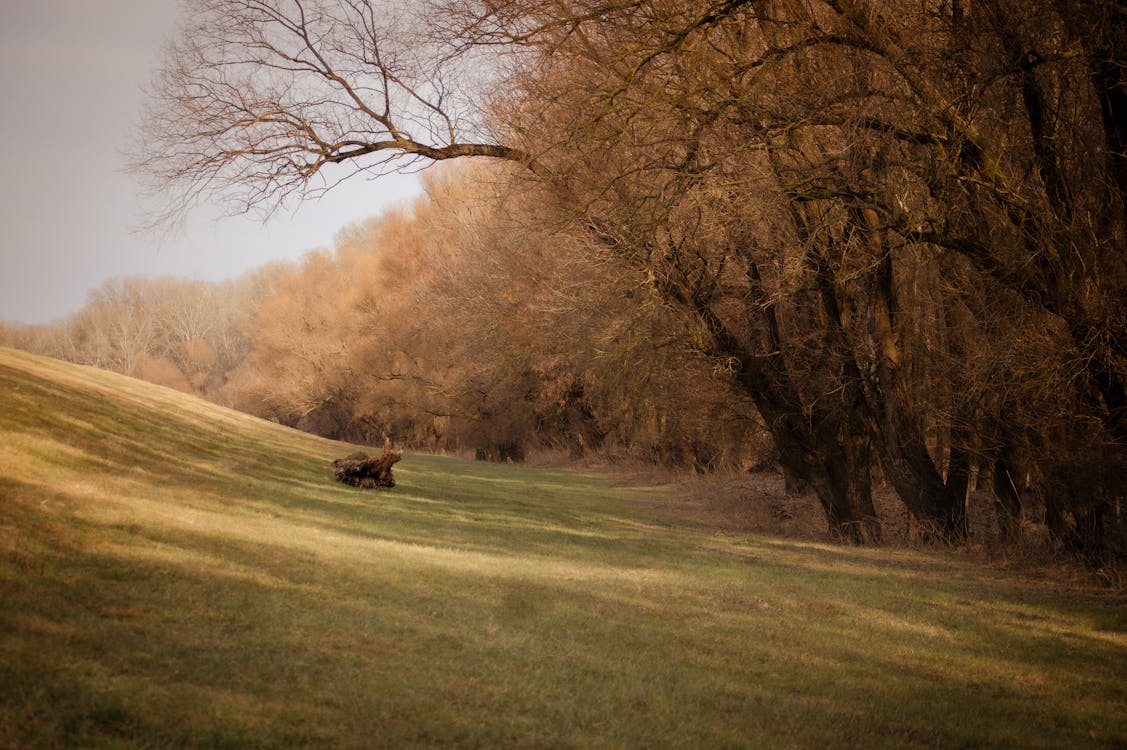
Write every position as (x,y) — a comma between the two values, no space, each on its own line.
(188,335)
(452,325)
(460,325)
(894,228)
(903,225)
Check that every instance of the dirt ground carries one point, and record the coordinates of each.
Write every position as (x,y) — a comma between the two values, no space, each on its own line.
(758,503)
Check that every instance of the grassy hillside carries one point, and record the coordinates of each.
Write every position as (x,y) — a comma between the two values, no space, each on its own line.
(173,574)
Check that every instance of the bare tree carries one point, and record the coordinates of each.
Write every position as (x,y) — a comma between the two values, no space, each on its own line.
(260,100)
(776,169)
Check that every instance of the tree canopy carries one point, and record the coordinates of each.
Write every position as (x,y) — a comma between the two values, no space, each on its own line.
(900,225)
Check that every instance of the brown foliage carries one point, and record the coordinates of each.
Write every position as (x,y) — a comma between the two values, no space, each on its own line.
(464,324)
(183,334)
(162,372)
(894,228)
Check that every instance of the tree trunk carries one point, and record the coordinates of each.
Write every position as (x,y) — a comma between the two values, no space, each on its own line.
(826,444)
(836,466)
(869,305)
(953,523)
(830,451)
(847,496)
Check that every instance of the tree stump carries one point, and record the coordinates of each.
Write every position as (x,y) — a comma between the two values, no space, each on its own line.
(369,472)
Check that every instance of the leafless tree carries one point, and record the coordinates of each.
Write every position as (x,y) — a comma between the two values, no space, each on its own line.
(778,170)
(261,100)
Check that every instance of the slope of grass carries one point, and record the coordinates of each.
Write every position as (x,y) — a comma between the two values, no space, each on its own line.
(173,574)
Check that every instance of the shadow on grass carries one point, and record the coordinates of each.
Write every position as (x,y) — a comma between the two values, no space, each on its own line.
(213,588)
(142,636)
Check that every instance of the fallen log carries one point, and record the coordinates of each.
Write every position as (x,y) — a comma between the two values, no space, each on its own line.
(369,472)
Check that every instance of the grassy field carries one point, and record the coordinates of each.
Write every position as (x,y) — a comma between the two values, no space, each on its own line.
(173,574)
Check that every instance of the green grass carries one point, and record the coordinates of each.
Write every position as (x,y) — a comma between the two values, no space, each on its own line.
(173,574)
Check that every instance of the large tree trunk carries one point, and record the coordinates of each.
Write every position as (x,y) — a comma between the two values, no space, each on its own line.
(827,449)
(835,461)
(865,310)
(847,490)
(825,446)
(956,489)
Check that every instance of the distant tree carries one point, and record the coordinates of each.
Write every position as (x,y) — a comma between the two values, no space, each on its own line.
(13,336)
(117,329)
(161,371)
(183,334)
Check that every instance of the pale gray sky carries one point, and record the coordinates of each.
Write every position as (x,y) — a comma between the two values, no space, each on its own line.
(71,73)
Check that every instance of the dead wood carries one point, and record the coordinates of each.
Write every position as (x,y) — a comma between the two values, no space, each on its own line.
(369,472)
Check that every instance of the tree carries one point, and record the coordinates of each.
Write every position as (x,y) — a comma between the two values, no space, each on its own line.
(260,100)
(117,329)
(778,171)
(181,334)
(565,347)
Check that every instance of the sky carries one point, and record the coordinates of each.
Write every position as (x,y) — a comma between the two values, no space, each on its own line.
(71,78)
